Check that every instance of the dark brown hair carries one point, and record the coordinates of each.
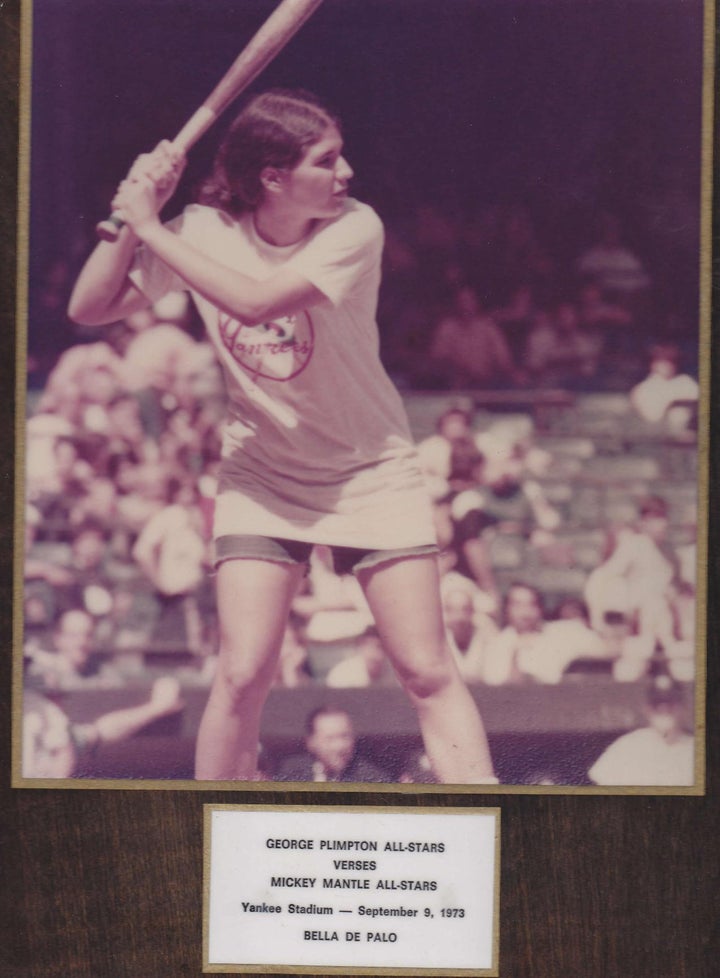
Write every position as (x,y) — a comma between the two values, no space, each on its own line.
(273,129)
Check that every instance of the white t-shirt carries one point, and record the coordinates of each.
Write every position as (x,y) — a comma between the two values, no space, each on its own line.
(175,550)
(543,655)
(644,758)
(653,396)
(317,445)
(636,573)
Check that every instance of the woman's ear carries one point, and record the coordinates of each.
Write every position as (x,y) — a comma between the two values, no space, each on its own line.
(272,179)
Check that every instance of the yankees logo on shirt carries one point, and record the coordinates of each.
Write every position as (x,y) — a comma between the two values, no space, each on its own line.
(278,350)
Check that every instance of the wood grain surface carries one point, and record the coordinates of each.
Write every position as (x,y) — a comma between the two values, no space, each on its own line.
(108,884)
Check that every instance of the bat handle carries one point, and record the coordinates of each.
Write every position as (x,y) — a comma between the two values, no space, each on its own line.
(194,128)
(110,228)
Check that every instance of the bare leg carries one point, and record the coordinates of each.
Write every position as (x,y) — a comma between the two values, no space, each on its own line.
(404,597)
(253,598)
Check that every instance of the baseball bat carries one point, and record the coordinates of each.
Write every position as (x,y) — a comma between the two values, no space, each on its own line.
(282,24)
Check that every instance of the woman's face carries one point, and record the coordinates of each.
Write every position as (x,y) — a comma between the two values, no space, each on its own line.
(318,185)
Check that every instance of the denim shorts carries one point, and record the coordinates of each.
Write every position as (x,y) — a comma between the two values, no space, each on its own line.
(346,560)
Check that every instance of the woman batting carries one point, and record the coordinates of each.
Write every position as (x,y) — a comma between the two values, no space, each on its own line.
(284,268)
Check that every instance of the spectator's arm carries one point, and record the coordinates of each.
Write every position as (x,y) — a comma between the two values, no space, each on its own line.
(165,699)
(545,515)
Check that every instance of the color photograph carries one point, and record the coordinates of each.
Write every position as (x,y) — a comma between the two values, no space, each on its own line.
(363,385)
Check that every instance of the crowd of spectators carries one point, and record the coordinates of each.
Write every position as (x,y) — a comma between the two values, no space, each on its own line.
(489,300)
(122,449)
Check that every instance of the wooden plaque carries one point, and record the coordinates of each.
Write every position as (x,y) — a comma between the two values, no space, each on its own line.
(457,116)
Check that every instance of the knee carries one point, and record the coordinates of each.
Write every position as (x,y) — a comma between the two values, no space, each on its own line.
(244,677)
(429,677)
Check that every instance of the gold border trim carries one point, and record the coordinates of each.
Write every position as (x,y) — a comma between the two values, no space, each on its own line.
(21,331)
(705,369)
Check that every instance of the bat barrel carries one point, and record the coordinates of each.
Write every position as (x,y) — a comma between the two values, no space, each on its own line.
(196,126)
(284,22)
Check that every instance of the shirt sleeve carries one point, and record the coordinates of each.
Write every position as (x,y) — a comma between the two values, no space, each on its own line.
(342,253)
(151,275)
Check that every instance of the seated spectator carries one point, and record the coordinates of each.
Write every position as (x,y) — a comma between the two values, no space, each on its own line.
(467,633)
(630,652)
(54,747)
(43,577)
(616,637)
(515,502)
(516,318)
(181,443)
(82,383)
(72,663)
(99,388)
(612,265)
(523,620)
(171,548)
(39,614)
(125,431)
(660,396)
(37,566)
(57,479)
(151,367)
(198,379)
(98,503)
(462,518)
(331,752)
(597,313)
(435,452)
(173,553)
(510,450)
(484,604)
(93,572)
(468,348)
(572,609)
(616,629)
(559,352)
(659,754)
(510,460)
(531,648)
(517,254)
(142,490)
(47,471)
(128,627)
(636,577)
(368,666)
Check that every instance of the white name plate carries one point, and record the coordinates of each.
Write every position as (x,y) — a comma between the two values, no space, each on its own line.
(351,890)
